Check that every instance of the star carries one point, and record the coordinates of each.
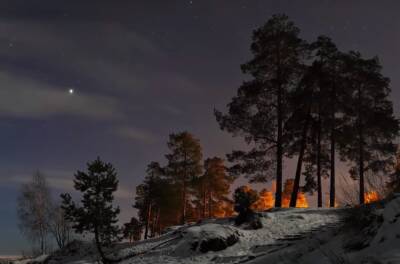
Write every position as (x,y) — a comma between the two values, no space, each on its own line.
(71,91)
(191,2)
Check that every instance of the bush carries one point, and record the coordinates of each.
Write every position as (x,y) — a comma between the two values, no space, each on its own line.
(244,197)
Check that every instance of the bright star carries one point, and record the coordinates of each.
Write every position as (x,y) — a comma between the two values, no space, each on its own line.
(71,91)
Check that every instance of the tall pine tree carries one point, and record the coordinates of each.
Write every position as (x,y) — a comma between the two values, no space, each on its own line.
(184,166)
(259,111)
(370,126)
(213,188)
(147,195)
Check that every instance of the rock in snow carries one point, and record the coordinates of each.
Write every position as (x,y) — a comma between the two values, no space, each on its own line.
(205,238)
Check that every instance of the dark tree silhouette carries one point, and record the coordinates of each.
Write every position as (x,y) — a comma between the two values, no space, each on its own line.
(370,126)
(96,214)
(147,195)
(184,165)
(244,197)
(259,111)
(321,121)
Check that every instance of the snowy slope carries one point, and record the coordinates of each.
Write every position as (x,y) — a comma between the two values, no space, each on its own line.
(278,226)
(355,235)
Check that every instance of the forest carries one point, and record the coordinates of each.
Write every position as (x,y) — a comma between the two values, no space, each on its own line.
(304,101)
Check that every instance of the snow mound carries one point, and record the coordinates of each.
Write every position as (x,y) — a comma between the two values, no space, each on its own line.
(74,252)
(385,245)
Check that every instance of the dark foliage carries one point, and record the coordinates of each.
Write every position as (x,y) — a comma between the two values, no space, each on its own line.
(96,213)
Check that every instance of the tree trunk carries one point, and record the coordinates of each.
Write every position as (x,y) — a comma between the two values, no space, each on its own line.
(42,249)
(361,165)
(332,192)
(146,232)
(319,192)
(154,223)
(279,147)
(183,217)
(99,248)
(360,147)
(204,202)
(296,184)
(210,214)
(279,152)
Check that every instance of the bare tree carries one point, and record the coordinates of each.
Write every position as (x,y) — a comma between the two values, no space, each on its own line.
(60,227)
(34,209)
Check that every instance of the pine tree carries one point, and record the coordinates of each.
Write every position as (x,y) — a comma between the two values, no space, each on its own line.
(370,126)
(96,213)
(259,111)
(184,166)
(322,95)
(213,188)
(299,124)
(330,64)
(321,121)
(146,195)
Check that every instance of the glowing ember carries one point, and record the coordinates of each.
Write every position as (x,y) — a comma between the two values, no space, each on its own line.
(371,196)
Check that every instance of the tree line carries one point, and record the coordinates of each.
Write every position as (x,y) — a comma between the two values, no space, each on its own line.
(314,102)
(185,189)
(301,100)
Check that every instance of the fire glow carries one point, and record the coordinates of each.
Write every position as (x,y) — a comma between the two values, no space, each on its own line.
(266,198)
(371,196)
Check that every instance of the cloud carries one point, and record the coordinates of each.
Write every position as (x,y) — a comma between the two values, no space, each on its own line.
(62,181)
(136,134)
(28,98)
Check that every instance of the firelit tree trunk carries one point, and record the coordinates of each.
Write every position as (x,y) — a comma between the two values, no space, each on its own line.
(204,201)
(296,184)
(210,213)
(148,217)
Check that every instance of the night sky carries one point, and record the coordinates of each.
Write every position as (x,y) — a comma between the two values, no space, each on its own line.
(81,79)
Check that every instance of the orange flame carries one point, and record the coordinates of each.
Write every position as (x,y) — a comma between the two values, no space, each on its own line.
(371,196)
(223,209)
(287,194)
(265,201)
(266,198)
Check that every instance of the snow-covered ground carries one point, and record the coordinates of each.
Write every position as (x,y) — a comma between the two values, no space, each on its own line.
(351,235)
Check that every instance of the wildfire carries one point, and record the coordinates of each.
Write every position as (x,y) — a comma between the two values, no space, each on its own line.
(371,196)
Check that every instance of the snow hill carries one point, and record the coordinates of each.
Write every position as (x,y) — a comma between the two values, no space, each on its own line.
(369,234)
